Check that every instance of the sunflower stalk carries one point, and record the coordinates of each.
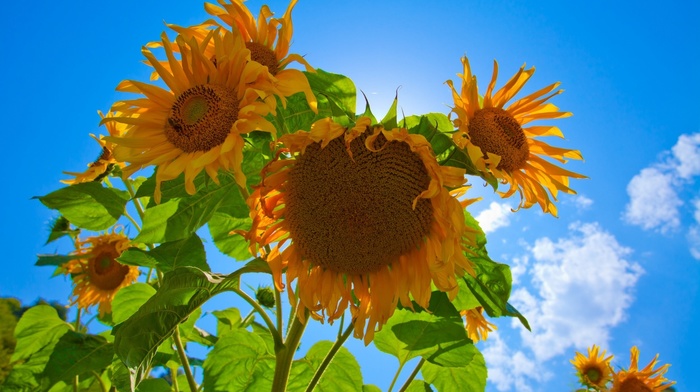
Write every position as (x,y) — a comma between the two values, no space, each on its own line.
(183,359)
(270,325)
(285,354)
(396,377)
(329,357)
(413,375)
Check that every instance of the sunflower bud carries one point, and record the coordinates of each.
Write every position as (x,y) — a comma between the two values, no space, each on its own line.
(265,297)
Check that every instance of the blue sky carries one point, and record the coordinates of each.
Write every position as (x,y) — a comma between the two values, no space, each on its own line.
(619,267)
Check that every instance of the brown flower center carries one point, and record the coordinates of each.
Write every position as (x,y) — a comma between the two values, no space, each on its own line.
(263,55)
(494,130)
(201,117)
(634,385)
(104,271)
(594,374)
(355,215)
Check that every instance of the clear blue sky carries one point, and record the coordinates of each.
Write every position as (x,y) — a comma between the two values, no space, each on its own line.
(619,266)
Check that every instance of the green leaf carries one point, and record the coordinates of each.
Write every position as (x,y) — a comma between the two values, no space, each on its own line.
(38,327)
(256,154)
(228,320)
(220,227)
(419,386)
(137,257)
(55,260)
(370,388)
(179,218)
(338,89)
(389,120)
(182,291)
(368,113)
(437,335)
(184,253)
(239,361)
(60,227)
(154,385)
(342,374)
(89,205)
(76,354)
(471,377)
(296,116)
(129,299)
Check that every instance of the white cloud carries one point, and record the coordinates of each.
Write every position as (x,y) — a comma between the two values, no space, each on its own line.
(687,155)
(496,216)
(653,200)
(583,287)
(582,202)
(694,232)
(509,368)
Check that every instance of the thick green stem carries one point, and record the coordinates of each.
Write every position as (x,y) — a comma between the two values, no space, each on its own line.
(329,357)
(270,325)
(285,355)
(183,359)
(396,376)
(103,387)
(413,375)
(278,309)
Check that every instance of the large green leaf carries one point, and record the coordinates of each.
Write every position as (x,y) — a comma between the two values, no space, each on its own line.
(338,90)
(129,299)
(468,378)
(182,291)
(221,226)
(179,217)
(437,334)
(297,116)
(169,255)
(55,260)
(77,354)
(342,374)
(227,320)
(240,361)
(38,327)
(89,205)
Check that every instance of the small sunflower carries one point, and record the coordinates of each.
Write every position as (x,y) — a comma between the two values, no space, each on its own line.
(477,326)
(360,218)
(647,379)
(96,273)
(197,123)
(594,371)
(498,144)
(104,163)
(268,40)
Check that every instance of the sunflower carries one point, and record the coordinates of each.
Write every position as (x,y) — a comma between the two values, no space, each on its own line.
(197,123)
(593,371)
(360,217)
(644,380)
(499,145)
(477,326)
(96,273)
(104,163)
(268,40)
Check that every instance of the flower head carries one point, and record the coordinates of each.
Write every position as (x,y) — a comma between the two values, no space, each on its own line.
(477,326)
(498,143)
(96,273)
(360,218)
(196,124)
(647,379)
(594,370)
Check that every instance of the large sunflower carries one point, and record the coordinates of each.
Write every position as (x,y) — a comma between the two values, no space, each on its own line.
(268,40)
(197,123)
(104,163)
(360,218)
(594,370)
(647,379)
(499,144)
(96,274)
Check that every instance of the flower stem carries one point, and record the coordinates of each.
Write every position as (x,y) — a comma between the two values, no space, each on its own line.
(413,375)
(270,325)
(329,357)
(285,355)
(278,304)
(103,387)
(184,361)
(396,376)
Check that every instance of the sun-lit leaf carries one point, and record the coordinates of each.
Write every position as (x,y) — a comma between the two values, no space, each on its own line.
(342,374)
(167,256)
(419,386)
(389,121)
(239,361)
(77,354)
(129,299)
(297,116)
(89,205)
(55,260)
(227,320)
(437,335)
(38,327)
(468,378)
(154,385)
(338,90)
(220,227)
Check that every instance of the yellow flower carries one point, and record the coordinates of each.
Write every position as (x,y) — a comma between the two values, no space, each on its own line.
(360,218)
(96,274)
(495,140)
(478,327)
(101,167)
(197,123)
(644,380)
(594,371)
(269,40)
